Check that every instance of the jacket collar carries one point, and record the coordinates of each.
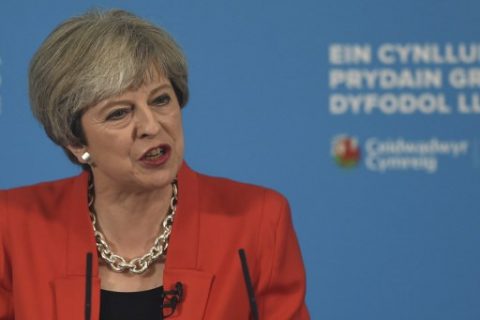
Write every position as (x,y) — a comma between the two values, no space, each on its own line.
(182,257)
(80,236)
(184,241)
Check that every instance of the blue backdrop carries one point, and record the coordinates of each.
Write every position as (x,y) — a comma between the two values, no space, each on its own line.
(365,114)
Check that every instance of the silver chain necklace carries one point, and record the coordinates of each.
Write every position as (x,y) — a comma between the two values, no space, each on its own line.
(140,264)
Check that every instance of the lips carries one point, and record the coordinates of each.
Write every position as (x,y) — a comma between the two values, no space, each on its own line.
(157,155)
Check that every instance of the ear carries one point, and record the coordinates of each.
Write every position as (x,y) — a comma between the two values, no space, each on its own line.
(79,153)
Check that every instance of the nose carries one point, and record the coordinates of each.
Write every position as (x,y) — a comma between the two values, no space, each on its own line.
(147,123)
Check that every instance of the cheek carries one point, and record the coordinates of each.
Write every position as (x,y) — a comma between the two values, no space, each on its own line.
(176,133)
(179,132)
(105,145)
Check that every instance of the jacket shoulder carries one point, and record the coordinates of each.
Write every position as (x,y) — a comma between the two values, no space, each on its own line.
(41,195)
(235,196)
(225,186)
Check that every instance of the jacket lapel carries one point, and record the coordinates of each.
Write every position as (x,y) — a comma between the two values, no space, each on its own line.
(70,290)
(70,298)
(196,289)
(182,257)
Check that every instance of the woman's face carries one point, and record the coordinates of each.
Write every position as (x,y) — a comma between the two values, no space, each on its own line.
(135,139)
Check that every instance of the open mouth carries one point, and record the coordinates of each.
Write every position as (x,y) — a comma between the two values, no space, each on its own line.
(156,153)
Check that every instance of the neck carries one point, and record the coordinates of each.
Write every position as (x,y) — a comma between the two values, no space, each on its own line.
(131,220)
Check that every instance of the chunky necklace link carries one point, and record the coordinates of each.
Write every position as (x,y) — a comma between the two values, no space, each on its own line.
(140,264)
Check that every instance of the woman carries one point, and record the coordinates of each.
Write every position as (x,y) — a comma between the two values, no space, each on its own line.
(108,88)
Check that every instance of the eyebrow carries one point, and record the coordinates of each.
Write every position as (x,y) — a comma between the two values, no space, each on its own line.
(159,88)
(152,92)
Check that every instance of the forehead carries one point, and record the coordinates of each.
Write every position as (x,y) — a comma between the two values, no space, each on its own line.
(123,82)
(149,80)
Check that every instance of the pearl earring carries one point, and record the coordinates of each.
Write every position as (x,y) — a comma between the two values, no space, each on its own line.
(86,157)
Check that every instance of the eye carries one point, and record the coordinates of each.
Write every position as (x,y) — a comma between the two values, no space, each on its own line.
(118,114)
(161,100)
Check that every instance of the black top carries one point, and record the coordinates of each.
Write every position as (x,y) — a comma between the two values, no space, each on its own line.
(141,305)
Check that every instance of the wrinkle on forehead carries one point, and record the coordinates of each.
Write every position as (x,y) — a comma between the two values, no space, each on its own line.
(125,81)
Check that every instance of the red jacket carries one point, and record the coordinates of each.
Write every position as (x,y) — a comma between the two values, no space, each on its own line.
(45,233)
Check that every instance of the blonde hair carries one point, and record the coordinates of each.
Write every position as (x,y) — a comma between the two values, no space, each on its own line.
(97,55)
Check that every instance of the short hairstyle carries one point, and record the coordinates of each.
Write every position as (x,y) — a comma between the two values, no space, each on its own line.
(95,56)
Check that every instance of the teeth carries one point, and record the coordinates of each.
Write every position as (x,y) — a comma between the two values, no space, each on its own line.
(155,153)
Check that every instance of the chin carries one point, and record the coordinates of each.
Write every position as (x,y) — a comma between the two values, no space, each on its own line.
(162,178)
